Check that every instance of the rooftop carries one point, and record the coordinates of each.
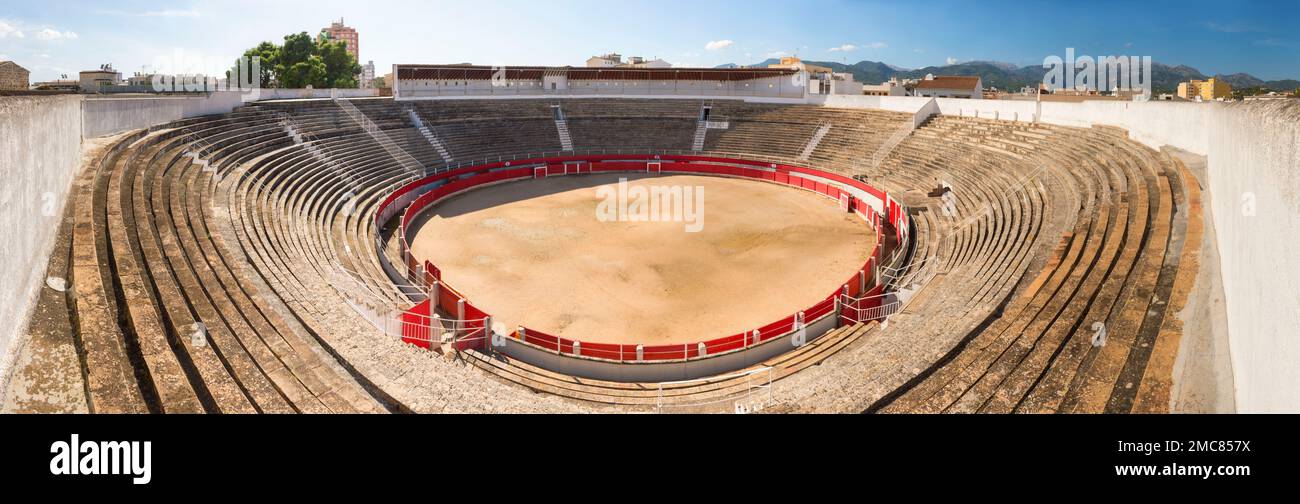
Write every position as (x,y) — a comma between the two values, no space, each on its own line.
(949,82)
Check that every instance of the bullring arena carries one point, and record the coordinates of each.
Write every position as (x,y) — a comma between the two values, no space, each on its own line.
(534,252)
(440,251)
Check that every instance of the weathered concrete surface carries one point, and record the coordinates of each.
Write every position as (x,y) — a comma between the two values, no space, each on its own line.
(40,152)
(46,375)
(1202,375)
(1254,156)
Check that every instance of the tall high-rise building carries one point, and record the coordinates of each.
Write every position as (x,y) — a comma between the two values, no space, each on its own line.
(339,31)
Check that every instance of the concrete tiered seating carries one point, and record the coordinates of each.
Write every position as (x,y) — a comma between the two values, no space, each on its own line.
(231,281)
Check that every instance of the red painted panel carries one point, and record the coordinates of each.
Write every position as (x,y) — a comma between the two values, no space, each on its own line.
(665,352)
(542,339)
(726,344)
(415,326)
(608,351)
(778,328)
(447,299)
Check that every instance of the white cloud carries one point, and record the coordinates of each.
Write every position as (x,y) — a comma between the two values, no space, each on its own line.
(918,51)
(854,47)
(52,34)
(8,30)
(952,60)
(776,54)
(718,45)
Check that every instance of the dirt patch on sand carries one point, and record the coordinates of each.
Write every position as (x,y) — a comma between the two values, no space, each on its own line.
(534,254)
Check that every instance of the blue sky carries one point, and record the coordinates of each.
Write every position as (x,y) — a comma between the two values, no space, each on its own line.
(1261,38)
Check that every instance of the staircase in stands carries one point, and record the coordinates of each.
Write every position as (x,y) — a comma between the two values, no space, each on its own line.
(430,136)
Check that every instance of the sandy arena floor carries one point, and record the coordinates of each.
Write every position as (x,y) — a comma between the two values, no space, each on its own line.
(533,253)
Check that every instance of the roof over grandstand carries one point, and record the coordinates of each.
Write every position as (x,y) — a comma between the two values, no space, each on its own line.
(950,82)
(472,72)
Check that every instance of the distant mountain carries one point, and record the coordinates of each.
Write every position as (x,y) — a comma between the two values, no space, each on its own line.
(1008,76)
(1010,67)
(999,75)
(1245,81)
(763,64)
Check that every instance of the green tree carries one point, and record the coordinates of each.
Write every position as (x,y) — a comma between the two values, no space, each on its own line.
(341,68)
(303,62)
(304,73)
(268,55)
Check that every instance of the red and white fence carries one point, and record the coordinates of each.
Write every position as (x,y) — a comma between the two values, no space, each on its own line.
(470,327)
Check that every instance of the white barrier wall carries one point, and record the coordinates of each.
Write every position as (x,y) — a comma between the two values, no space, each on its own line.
(107,116)
(921,108)
(1005,110)
(1185,125)
(1254,166)
(40,153)
(1254,182)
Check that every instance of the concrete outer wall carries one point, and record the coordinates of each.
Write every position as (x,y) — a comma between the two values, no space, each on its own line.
(40,154)
(1254,152)
(1253,155)
(107,116)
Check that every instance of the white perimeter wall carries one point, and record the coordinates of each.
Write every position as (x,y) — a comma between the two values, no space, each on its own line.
(1253,158)
(107,116)
(111,115)
(1253,154)
(40,153)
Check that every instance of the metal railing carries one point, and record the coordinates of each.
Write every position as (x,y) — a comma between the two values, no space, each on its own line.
(860,311)
(399,154)
(199,149)
(808,149)
(887,148)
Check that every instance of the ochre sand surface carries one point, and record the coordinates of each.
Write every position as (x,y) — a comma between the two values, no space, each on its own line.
(533,253)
